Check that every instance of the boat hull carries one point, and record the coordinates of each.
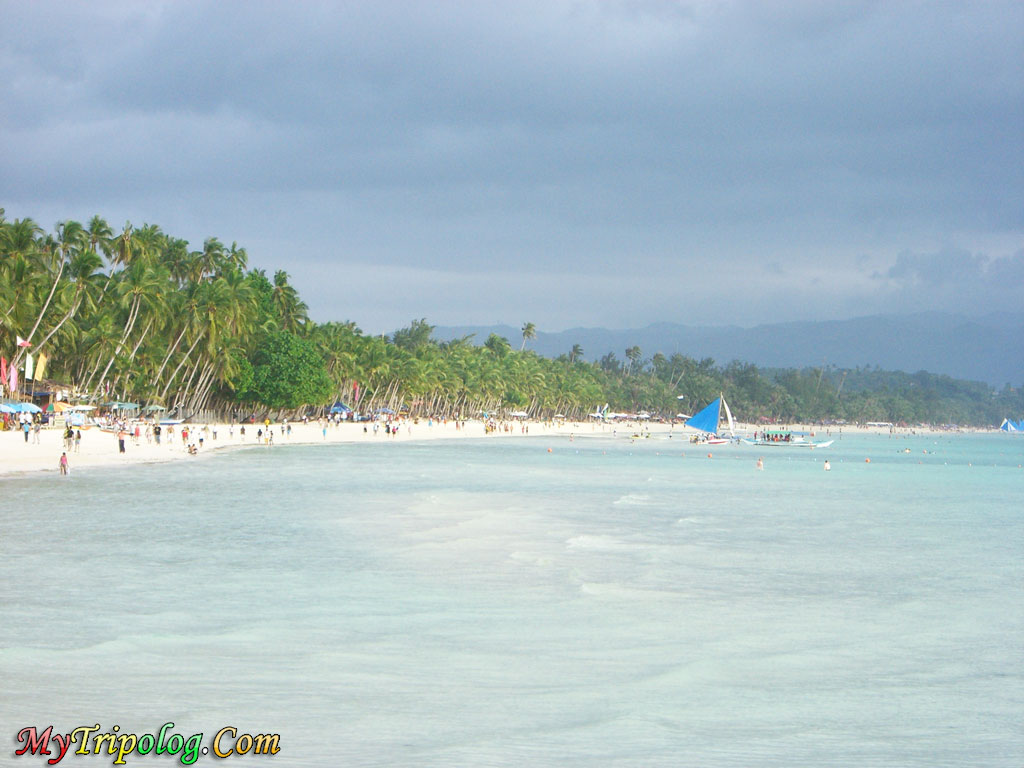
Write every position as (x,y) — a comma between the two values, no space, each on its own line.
(787,444)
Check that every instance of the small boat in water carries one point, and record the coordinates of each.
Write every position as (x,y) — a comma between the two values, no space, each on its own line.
(783,438)
(706,421)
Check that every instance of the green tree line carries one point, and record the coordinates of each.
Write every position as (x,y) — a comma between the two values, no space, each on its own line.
(137,314)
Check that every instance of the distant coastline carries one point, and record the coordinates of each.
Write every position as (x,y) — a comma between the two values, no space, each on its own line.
(137,319)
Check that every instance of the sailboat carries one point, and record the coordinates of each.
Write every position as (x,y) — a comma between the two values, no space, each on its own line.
(707,421)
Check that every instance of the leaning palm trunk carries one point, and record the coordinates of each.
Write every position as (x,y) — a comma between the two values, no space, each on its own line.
(67,316)
(128,326)
(184,359)
(170,352)
(42,313)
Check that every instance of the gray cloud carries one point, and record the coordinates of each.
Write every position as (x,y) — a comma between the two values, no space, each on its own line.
(705,150)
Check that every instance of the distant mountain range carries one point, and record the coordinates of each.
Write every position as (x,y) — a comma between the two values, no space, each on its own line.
(988,348)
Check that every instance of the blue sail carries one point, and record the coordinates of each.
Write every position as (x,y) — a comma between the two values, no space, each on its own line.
(707,419)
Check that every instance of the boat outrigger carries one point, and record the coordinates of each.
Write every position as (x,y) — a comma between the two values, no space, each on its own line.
(783,438)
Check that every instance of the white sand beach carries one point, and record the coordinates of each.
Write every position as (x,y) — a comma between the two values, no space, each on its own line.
(99,448)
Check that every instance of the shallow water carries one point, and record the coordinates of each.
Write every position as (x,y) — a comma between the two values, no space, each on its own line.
(474,603)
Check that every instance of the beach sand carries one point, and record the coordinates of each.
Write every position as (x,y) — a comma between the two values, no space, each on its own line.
(100,449)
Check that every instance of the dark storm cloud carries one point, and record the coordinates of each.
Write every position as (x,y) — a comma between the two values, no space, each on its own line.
(693,151)
(959,277)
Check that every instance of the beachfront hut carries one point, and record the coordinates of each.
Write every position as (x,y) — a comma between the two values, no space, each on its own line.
(116,405)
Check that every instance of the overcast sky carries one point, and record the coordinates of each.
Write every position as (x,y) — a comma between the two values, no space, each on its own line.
(566,163)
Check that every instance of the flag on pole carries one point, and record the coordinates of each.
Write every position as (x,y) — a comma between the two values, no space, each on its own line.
(41,365)
(3,370)
(355,391)
(23,343)
(12,374)
(30,367)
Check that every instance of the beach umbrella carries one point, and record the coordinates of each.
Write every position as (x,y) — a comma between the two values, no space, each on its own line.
(28,408)
(7,408)
(81,407)
(384,410)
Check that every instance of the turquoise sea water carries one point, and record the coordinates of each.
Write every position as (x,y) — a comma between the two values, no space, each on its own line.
(488,603)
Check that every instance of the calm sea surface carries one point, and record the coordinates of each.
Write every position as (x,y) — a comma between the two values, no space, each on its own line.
(488,603)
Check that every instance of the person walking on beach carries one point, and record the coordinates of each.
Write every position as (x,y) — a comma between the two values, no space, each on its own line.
(156,434)
(63,464)
(78,439)
(25,427)
(121,435)
(36,429)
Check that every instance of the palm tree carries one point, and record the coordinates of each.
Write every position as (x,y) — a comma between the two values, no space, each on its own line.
(100,235)
(575,353)
(633,355)
(529,332)
(292,311)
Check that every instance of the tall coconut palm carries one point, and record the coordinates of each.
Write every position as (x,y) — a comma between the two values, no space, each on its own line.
(100,235)
(633,355)
(291,310)
(529,332)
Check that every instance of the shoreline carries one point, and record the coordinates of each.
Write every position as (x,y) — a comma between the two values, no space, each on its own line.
(100,449)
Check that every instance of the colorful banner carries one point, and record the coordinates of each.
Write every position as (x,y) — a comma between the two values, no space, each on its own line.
(23,343)
(30,367)
(12,375)
(3,370)
(41,366)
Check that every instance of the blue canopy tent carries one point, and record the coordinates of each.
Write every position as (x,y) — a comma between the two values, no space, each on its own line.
(340,407)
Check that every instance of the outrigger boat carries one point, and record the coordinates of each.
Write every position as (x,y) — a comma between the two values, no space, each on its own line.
(706,421)
(784,438)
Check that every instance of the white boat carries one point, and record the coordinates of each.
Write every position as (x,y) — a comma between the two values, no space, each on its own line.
(784,438)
